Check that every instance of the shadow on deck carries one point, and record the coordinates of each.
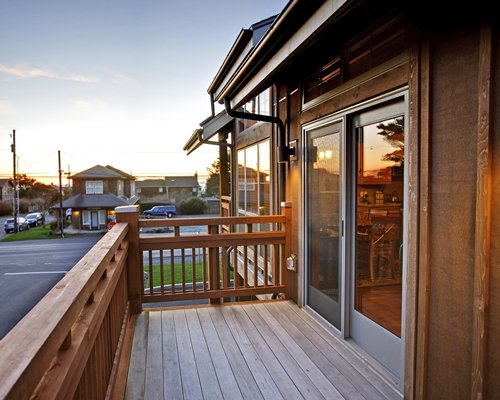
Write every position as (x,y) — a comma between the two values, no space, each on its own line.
(262,350)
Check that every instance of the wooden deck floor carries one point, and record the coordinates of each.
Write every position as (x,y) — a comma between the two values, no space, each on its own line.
(269,350)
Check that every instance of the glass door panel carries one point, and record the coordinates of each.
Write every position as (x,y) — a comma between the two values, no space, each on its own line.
(377,199)
(379,222)
(324,221)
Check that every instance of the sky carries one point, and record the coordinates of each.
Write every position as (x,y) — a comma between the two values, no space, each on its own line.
(113,82)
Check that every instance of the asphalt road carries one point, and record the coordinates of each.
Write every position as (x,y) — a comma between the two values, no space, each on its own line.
(29,269)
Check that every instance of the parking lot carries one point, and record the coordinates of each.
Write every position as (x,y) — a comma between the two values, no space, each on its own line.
(29,269)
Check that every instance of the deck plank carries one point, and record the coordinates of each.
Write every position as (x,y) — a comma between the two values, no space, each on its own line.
(327,389)
(267,350)
(171,366)
(225,376)
(246,382)
(299,376)
(154,364)
(191,387)
(361,365)
(258,369)
(206,372)
(357,379)
(137,367)
(285,384)
(326,365)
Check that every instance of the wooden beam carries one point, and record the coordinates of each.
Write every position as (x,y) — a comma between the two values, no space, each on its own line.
(417,326)
(483,218)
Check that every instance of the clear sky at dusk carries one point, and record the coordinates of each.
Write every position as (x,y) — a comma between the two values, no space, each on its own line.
(120,82)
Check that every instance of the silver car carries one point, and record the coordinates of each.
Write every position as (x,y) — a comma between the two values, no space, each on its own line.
(22,225)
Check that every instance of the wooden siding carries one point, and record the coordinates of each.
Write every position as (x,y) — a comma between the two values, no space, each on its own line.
(493,333)
(452,201)
(267,350)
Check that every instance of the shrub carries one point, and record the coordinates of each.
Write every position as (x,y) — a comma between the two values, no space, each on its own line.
(5,208)
(192,206)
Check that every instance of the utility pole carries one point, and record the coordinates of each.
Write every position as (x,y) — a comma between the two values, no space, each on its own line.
(13,149)
(61,217)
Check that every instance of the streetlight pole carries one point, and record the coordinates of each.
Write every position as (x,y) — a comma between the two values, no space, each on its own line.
(14,178)
(61,218)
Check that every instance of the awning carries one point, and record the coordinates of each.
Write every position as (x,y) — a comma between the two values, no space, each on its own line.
(219,123)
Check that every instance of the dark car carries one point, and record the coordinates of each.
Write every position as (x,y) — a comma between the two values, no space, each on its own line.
(22,225)
(34,219)
(161,211)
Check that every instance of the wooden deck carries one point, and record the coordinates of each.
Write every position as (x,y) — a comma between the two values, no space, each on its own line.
(268,350)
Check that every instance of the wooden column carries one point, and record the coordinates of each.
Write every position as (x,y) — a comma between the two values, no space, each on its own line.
(213,265)
(483,218)
(130,215)
(286,274)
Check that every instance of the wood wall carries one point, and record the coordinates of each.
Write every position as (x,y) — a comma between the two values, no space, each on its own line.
(493,364)
(463,330)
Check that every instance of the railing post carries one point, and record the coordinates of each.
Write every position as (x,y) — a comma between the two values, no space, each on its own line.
(286,274)
(213,265)
(130,215)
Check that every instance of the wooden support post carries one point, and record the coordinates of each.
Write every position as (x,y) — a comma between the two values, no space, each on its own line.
(286,275)
(130,215)
(213,265)
(483,218)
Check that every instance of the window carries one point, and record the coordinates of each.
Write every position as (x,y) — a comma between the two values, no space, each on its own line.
(356,58)
(86,217)
(94,187)
(254,180)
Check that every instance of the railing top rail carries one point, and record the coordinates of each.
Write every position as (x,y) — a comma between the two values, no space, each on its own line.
(260,219)
(27,350)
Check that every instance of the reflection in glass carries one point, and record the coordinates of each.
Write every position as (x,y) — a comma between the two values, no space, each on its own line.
(379,222)
(324,221)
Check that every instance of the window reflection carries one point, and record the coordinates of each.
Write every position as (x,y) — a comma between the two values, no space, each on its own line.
(379,222)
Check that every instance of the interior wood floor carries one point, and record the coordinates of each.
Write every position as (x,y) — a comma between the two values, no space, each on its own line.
(266,350)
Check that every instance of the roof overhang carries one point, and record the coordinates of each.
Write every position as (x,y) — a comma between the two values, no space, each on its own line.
(289,33)
(208,128)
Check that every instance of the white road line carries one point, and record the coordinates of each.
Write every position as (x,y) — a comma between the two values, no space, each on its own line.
(35,273)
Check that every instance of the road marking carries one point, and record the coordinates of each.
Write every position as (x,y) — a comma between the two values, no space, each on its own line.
(35,273)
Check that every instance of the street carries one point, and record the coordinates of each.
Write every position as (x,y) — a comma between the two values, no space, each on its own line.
(29,269)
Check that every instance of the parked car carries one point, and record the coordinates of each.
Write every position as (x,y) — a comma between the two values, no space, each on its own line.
(22,225)
(160,211)
(34,219)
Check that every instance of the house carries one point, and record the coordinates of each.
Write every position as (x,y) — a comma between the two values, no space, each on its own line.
(378,123)
(6,191)
(97,191)
(171,189)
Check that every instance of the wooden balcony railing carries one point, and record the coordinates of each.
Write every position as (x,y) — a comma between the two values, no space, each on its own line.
(231,257)
(68,345)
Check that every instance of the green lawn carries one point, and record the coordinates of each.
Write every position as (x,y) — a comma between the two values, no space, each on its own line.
(40,232)
(177,273)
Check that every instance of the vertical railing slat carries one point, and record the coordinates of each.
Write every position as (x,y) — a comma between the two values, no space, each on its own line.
(172,270)
(193,263)
(266,271)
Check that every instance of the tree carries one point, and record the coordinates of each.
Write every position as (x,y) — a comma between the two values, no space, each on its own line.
(393,133)
(34,194)
(212,184)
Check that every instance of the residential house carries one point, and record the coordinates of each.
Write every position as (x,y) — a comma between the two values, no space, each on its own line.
(378,123)
(97,191)
(171,189)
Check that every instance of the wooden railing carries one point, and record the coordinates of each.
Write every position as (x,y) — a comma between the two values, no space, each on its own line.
(231,257)
(68,345)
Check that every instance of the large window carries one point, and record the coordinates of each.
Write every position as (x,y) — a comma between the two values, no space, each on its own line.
(254,180)
(94,187)
(355,58)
